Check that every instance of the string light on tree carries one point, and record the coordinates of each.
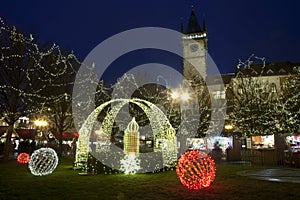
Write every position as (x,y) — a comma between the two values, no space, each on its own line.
(41,70)
(196,170)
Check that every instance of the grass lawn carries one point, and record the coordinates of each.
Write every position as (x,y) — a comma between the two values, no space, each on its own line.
(16,182)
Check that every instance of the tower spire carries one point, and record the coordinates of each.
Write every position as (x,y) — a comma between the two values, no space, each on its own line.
(193,25)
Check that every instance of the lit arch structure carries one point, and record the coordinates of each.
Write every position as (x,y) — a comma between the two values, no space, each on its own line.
(161,128)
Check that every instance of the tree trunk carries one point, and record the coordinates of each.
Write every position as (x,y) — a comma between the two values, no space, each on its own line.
(8,142)
(60,139)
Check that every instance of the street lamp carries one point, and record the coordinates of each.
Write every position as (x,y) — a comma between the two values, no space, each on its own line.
(174,95)
(184,96)
(41,123)
(228,127)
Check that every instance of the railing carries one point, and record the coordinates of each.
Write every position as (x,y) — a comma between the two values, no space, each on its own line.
(291,159)
(260,156)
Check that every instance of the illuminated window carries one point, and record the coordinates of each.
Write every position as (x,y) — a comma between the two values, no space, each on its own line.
(219,94)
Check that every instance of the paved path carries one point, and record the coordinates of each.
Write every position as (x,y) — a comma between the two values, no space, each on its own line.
(277,175)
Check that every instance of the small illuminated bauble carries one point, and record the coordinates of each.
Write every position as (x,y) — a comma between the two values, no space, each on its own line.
(43,161)
(23,158)
(196,170)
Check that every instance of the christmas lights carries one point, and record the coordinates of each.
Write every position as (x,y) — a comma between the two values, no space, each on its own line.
(43,161)
(196,170)
(23,158)
(130,164)
(32,78)
(161,127)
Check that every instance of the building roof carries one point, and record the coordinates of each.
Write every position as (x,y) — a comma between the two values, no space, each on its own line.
(215,79)
(271,69)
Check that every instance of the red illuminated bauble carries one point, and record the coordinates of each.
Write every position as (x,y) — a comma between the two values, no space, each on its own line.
(196,170)
(23,158)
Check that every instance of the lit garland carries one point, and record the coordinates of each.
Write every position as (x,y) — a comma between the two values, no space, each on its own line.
(196,170)
(32,77)
(43,161)
(23,158)
(29,73)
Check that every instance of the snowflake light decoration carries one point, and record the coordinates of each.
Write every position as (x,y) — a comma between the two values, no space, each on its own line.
(23,158)
(196,170)
(43,161)
(130,164)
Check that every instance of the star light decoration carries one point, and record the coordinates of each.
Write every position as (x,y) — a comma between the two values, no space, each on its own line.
(130,164)
(43,161)
(23,158)
(196,170)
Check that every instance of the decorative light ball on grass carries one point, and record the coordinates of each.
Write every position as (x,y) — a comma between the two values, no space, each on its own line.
(43,161)
(196,170)
(23,158)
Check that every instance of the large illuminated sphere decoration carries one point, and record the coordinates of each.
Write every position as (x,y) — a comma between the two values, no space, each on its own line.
(196,170)
(23,158)
(43,161)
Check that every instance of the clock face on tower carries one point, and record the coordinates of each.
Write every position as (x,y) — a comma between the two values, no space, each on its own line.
(194,47)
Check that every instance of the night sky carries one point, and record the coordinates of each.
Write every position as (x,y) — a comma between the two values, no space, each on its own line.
(236,29)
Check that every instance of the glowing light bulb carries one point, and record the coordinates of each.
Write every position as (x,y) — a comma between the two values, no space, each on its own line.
(185,96)
(175,95)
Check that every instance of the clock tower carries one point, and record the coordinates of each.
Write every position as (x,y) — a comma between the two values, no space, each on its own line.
(194,42)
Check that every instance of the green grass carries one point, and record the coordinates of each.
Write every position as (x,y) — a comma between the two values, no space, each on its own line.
(16,182)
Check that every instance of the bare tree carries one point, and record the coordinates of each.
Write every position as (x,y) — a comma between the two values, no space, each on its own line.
(30,76)
(59,109)
(23,77)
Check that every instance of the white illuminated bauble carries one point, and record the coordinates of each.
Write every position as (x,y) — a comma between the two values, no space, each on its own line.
(43,161)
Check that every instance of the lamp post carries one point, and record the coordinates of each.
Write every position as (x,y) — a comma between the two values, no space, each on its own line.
(42,124)
(182,95)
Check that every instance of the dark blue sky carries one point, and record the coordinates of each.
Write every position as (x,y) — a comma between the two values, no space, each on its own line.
(236,29)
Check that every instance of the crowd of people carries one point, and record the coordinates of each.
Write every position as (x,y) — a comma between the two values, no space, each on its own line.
(29,146)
